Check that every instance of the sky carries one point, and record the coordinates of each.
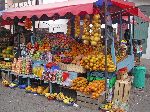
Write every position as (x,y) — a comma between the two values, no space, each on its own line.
(52,1)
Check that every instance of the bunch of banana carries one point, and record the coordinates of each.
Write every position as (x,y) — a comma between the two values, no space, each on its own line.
(45,91)
(107,106)
(47,95)
(60,96)
(68,100)
(12,85)
(51,96)
(29,88)
(5,83)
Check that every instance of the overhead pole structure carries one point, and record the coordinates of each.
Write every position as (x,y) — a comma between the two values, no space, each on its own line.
(106,38)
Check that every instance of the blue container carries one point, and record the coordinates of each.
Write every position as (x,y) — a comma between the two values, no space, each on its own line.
(139,73)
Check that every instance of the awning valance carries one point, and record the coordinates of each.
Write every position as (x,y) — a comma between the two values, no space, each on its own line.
(73,6)
(61,8)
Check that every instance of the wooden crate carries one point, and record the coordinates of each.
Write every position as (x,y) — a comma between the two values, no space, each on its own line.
(122,90)
(86,101)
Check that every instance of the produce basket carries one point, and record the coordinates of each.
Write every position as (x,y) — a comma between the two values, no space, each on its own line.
(87,101)
(122,90)
(97,75)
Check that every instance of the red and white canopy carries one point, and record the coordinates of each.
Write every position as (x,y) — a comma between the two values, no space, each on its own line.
(73,6)
(61,8)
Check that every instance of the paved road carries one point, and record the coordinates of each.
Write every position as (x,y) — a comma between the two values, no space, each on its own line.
(16,100)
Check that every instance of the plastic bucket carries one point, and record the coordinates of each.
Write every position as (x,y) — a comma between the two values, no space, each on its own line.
(139,73)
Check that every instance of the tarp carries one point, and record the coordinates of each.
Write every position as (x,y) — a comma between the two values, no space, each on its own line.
(6,22)
(137,12)
(73,6)
(61,8)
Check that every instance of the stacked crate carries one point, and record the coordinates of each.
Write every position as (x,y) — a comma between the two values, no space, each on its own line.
(122,89)
(87,101)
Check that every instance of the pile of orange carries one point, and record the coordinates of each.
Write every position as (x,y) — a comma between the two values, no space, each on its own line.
(78,83)
(94,88)
(97,63)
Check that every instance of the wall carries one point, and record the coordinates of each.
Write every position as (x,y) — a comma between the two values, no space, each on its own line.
(54,26)
(52,1)
(147,55)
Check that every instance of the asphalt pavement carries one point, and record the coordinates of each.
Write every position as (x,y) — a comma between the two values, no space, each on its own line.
(17,100)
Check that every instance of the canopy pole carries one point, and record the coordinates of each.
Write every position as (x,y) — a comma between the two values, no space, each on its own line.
(131,46)
(133,26)
(72,26)
(120,27)
(33,24)
(106,69)
(16,30)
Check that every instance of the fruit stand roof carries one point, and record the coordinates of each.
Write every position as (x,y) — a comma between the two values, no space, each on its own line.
(73,6)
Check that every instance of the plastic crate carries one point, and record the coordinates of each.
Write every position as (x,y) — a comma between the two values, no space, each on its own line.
(91,76)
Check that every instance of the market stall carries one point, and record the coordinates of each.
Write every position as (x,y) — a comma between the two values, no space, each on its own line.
(84,61)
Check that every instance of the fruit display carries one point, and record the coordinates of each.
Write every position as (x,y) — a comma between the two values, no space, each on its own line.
(40,90)
(65,99)
(36,56)
(5,65)
(28,88)
(60,97)
(14,65)
(107,106)
(86,30)
(22,66)
(28,23)
(96,30)
(79,84)
(111,107)
(95,88)
(77,26)
(68,100)
(97,62)
(45,91)
(51,96)
(17,65)
(34,90)
(5,83)
(120,57)
(38,71)
(8,52)
(12,85)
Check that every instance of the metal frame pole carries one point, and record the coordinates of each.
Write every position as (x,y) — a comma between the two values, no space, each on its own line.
(131,46)
(133,26)
(120,27)
(106,69)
